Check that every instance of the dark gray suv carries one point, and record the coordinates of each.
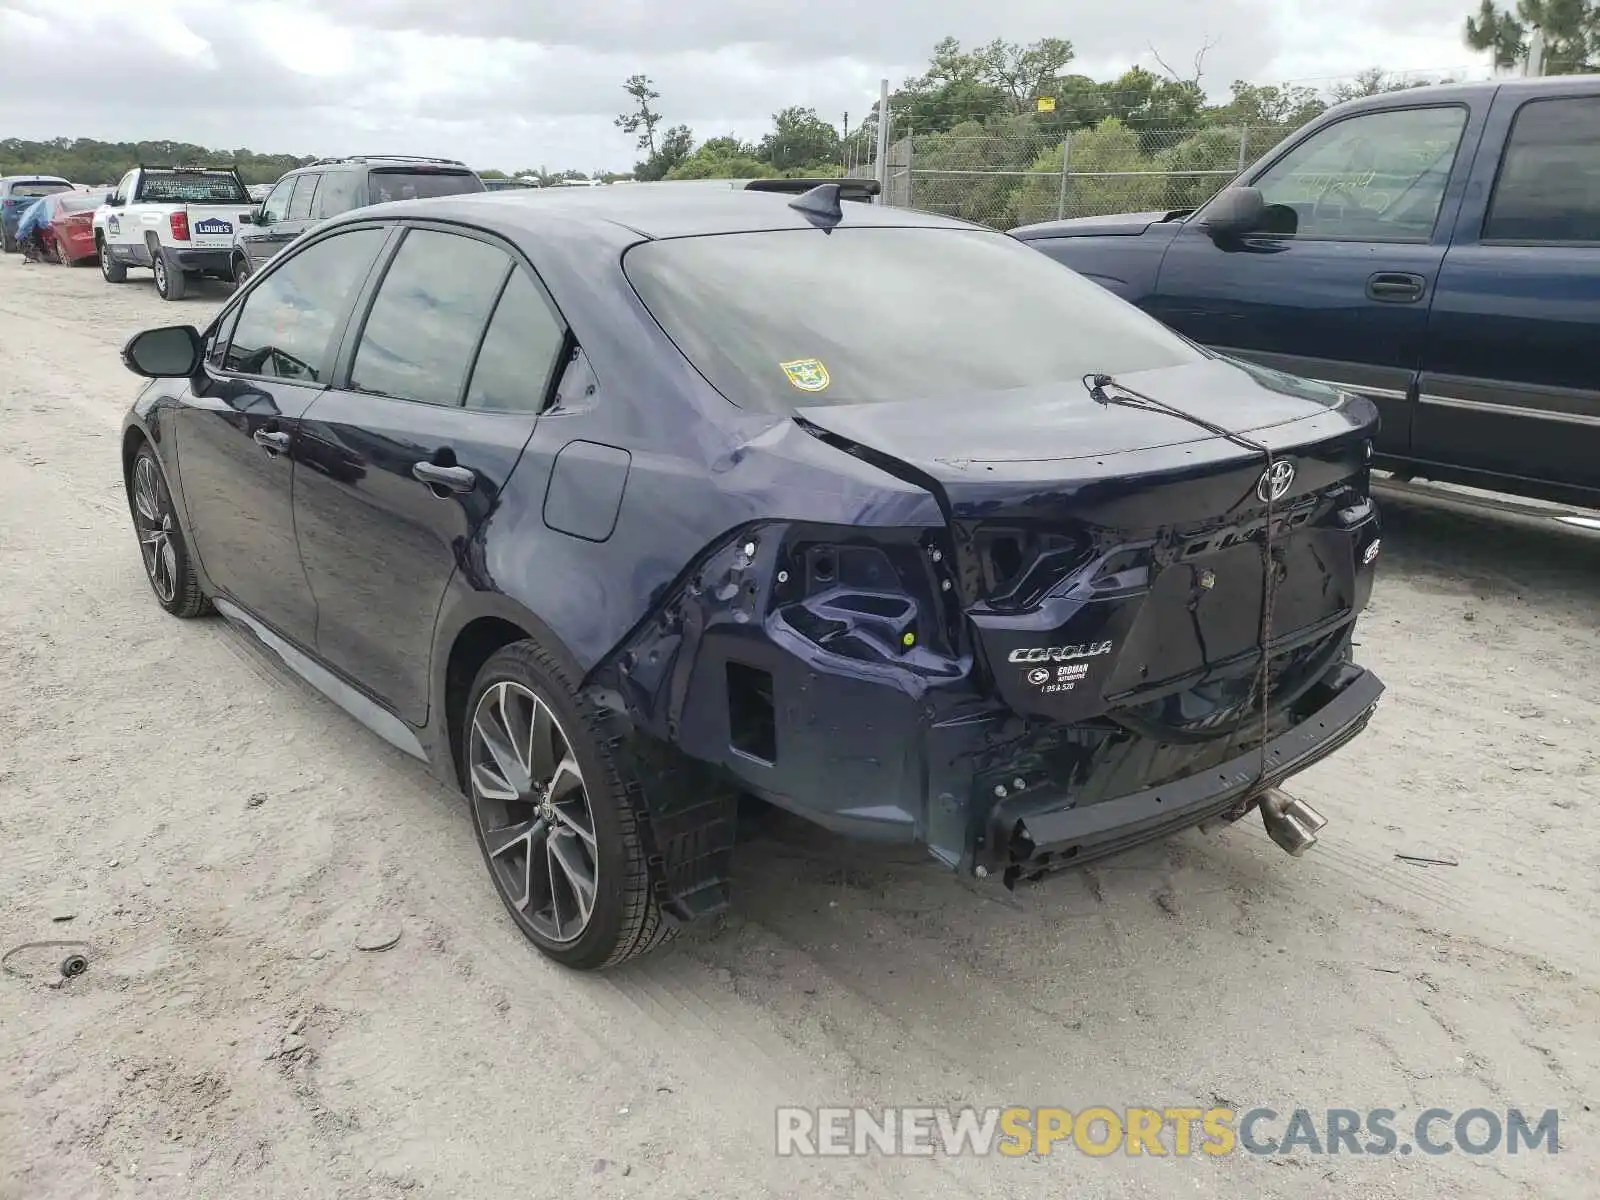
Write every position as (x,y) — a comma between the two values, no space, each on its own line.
(331,186)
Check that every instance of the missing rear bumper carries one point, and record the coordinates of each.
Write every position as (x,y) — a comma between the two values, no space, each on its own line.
(1045,840)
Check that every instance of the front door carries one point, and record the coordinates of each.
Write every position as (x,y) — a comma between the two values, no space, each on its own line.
(1510,385)
(1337,285)
(238,431)
(408,456)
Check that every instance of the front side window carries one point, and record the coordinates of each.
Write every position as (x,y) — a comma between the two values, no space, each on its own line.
(276,206)
(1549,185)
(121,194)
(289,321)
(428,318)
(305,188)
(1374,177)
(792,318)
(519,352)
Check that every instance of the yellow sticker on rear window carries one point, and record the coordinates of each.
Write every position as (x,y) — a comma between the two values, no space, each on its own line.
(807,374)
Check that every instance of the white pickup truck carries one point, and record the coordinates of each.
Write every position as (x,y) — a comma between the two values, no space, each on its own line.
(177,221)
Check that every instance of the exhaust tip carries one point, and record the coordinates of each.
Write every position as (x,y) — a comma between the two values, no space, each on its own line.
(1291,823)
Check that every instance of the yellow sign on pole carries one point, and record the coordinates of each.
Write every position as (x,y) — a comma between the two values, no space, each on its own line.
(1047,104)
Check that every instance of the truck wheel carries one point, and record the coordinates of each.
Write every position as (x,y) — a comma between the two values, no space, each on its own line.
(549,789)
(170,284)
(114,271)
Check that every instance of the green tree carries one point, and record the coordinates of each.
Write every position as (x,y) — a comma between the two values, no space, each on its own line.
(799,139)
(1024,73)
(1571,31)
(677,144)
(641,119)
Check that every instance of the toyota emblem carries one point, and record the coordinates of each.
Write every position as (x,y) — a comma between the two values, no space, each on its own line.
(1275,481)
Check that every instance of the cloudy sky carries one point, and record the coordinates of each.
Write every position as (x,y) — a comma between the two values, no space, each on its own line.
(525,83)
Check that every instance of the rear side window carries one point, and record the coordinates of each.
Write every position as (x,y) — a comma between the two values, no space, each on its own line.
(288,322)
(339,192)
(428,318)
(193,187)
(519,352)
(305,187)
(1549,185)
(400,183)
(793,318)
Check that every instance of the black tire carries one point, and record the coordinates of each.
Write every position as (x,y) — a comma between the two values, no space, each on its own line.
(624,921)
(241,270)
(114,271)
(8,243)
(171,282)
(165,555)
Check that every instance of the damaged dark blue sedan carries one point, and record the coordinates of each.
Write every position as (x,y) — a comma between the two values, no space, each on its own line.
(613,505)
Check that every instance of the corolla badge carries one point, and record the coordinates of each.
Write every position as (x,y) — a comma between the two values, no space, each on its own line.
(1034,654)
(1275,481)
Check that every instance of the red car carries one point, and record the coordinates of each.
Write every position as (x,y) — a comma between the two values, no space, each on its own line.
(69,226)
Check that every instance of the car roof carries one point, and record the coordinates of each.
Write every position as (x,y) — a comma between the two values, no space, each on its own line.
(648,212)
(1434,93)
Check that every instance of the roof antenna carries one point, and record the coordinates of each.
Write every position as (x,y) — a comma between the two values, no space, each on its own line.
(820,206)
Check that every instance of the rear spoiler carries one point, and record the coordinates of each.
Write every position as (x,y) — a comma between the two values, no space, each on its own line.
(849,189)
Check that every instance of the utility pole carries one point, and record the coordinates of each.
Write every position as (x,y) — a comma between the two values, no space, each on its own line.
(883,138)
(1533,65)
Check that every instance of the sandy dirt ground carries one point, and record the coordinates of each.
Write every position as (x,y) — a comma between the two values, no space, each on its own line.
(221,837)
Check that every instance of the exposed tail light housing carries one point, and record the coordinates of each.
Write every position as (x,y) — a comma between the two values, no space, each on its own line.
(178,222)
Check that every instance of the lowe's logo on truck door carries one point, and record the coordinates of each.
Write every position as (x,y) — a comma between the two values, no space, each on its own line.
(213,225)
(1036,654)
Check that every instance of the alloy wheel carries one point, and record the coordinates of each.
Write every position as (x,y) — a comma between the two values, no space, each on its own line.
(533,811)
(158,268)
(153,517)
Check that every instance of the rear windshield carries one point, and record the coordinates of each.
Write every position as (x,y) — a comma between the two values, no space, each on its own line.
(407,184)
(199,187)
(793,318)
(39,189)
(81,202)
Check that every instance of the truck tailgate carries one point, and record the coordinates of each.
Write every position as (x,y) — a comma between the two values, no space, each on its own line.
(212,226)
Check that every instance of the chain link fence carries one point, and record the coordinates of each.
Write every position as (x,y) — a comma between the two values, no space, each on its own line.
(1015,178)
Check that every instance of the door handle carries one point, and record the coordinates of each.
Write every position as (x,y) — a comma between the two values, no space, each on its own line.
(452,479)
(1396,287)
(273,441)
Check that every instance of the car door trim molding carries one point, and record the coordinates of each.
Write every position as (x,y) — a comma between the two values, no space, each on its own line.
(369,713)
(1389,383)
(1567,405)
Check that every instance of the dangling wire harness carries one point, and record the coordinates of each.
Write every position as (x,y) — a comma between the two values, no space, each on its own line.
(1261,685)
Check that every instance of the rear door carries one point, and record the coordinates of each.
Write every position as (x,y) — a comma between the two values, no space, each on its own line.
(445,378)
(238,429)
(1340,290)
(1511,385)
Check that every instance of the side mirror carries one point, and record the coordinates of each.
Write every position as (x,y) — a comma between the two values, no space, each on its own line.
(111,199)
(171,352)
(1234,211)
(248,218)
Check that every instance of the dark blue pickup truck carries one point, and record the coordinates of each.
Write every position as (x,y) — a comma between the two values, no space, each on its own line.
(1436,249)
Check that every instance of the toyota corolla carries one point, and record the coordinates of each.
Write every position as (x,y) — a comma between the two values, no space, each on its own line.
(615,505)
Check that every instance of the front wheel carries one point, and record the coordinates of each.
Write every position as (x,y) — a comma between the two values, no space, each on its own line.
(166,558)
(241,270)
(552,817)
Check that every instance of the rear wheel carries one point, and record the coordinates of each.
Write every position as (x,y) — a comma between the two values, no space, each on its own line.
(114,271)
(8,242)
(171,284)
(552,815)
(166,558)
